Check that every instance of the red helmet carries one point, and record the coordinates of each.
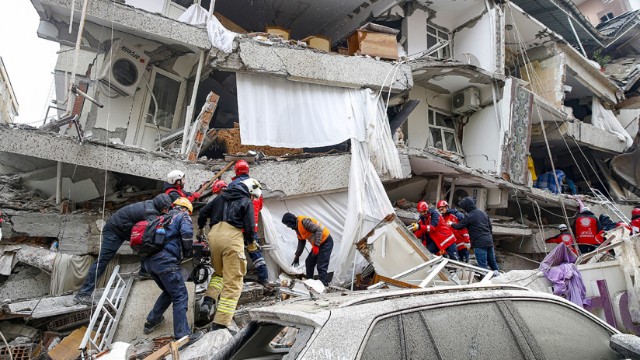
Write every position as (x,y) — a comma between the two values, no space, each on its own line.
(422,206)
(635,212)
(218,185)
(442,203)
(241,167)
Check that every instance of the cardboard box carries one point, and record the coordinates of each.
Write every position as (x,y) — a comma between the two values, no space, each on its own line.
(280,31)
(318,42)
(374,40)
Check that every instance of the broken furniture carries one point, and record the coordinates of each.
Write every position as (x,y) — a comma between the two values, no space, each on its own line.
(318,42)
(374,40)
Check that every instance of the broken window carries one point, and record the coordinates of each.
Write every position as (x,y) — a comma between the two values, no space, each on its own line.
(442,131)
(168,90)
(434,35)
(184,3)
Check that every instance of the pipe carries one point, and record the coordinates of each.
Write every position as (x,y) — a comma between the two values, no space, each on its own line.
(192,104)
(76,55)
(59,183)
(211,6)
(576,35)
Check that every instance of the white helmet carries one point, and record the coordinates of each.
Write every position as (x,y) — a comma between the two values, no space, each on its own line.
(253,186)
(563,227)
(174,176)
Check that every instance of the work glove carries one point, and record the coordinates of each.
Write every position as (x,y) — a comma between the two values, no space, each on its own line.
(296,261)
(315,249)
(253,247)
(413,227)
(196,195)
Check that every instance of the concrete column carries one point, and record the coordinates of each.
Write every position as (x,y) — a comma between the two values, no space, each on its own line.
(414,27)
(59,183)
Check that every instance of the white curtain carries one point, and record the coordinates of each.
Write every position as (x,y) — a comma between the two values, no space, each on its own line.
(219,36)
(606,120)
(281,113)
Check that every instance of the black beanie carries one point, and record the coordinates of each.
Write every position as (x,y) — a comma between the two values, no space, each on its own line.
(290,220)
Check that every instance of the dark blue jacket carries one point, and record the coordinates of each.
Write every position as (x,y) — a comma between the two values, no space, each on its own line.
(477,222)
(234,207)
(179,235)
(238,180)
(123,220)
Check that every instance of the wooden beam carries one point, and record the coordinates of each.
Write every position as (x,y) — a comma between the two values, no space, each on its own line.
(632,103)
(202,127)
(401,284)
(160,353)
(207,186)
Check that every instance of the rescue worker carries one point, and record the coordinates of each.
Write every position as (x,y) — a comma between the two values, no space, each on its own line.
(241,169)
(635,220)
(319,236)
(231,219)
(453,216)
(564,237)
(480,233)
(218,187)
(434,232)
(114,233)
(586,228)
(174,187)
(164,269)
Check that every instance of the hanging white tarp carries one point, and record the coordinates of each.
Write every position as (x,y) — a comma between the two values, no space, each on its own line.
(282,113)
(606,120)
(220,37)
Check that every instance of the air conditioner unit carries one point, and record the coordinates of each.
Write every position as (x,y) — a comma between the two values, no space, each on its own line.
(478,194)
(466,101)
(123,67)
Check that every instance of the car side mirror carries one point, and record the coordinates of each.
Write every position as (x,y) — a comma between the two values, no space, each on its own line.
(626,345)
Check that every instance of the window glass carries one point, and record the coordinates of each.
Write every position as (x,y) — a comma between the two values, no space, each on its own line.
(563,333)
(441,119)
(472,331)
(384,342)
(166,91)
(418,337)
(436,137)
(450,141)
(183,3)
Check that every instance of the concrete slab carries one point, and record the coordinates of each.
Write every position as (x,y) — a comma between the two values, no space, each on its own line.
(141,299)
(28,283)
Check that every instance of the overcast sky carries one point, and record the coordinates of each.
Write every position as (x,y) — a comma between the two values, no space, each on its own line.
(29,60)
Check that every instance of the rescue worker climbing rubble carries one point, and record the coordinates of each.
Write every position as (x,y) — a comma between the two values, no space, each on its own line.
(174,187)
(480,233)
(116,230)
(564,237)
(231,220)
(635,220)
(319,236)
(164,269)
(586,228)
(453,216)
(434,232)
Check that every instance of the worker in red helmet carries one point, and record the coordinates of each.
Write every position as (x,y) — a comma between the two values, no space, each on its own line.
(453,216)
(564,237)
(435,234)
(218,186)
(635,220)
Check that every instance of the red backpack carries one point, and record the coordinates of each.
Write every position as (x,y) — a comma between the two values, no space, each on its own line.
(148,236)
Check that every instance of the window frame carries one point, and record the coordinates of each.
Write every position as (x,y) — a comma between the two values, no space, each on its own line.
(434,31)
(431,115)
(175,123)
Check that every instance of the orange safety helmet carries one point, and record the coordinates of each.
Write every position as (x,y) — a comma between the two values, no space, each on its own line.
(442,203)
(218,186)
(241,167)
(423,206)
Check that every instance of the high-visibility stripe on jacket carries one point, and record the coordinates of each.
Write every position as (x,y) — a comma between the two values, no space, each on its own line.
(442,234)
(586,230)
(304,234)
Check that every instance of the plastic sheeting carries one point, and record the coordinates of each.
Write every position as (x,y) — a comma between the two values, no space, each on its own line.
(606,120)
(282,113)
(560,269)
(630,265)
(219,36)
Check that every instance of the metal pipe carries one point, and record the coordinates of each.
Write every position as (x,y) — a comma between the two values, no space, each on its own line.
(76,55)
(192,104)
(59,183)
(575,33)
(211,6)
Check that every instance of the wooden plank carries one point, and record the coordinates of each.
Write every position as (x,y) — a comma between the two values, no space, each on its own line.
(374,44)
(401,284)
(207,186)
(160,353)
(68,348)
(204,119)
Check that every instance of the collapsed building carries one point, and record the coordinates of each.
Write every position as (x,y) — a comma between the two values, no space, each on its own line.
(480,97)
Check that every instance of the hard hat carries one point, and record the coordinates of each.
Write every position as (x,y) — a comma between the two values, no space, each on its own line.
(635,212)
(241,167)
(563,227)
(585,209)
(218,185)
(253,186)
(422,206)
(174,176)
(442,203)
(185,203)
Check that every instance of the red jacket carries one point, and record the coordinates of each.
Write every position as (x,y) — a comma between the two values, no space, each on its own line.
(180,192)
(462,235)
(257,206)
(434,228)
(564,238)
(586,230)
(635,225)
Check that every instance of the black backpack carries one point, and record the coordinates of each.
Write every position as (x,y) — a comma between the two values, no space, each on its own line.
(148,236)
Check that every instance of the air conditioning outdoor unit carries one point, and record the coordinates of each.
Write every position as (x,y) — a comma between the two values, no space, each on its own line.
(466,101)
(123,68)
(478,194)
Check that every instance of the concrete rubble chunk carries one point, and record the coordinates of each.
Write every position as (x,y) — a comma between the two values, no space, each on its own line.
(28,283)
(206,347)
(12,331)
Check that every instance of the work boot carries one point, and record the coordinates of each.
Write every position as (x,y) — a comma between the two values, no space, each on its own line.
(269,288)
(192,339)
(149,326)
(204,314)
(215,327)
(84,299)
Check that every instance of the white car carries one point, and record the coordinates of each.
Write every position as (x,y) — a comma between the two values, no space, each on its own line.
(462,322)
